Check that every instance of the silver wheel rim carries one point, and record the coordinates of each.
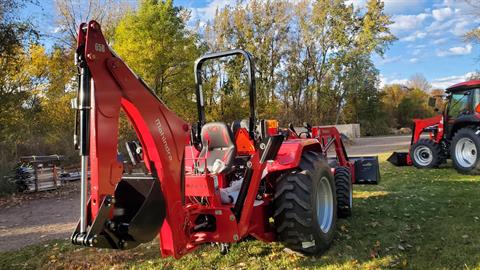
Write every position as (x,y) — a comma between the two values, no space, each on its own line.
(423,155)
(466,152)
(324,204)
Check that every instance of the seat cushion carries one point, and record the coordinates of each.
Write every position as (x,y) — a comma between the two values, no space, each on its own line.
(217,144)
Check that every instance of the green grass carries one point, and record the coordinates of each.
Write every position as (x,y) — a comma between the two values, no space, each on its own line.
(415,219)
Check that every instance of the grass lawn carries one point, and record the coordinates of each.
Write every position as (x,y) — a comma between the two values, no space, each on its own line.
(415,219)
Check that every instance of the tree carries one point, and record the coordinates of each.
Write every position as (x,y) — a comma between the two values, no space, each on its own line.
(418,81)
(156,44)
(364,102)
(307,52)
(414,105)
(73,12)
(474,34)
(13,32)
(15,90)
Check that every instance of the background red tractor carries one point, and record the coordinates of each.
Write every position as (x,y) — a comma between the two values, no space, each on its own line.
(211,183)
(454,134)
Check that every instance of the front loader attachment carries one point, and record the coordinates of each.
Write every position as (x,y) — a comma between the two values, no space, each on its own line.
(400,159)
(134,215)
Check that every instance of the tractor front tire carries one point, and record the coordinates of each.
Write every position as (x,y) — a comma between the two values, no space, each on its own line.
(343,185)
(464,151)
(426,154)
(306,206)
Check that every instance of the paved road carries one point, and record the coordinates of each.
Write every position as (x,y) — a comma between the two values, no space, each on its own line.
(377,145)
(30,220)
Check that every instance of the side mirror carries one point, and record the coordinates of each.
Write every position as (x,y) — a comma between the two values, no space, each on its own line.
(432,102)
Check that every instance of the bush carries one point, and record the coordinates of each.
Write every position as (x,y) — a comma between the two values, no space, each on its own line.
(6,188)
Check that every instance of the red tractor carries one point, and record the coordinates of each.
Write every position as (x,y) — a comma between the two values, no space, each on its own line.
(209,184)
(453,134)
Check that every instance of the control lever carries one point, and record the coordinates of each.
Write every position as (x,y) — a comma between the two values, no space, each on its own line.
(135,151)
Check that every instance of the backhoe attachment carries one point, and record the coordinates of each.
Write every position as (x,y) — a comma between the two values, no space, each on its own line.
(125,209)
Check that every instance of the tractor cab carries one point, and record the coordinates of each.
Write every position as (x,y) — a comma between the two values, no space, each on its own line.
(463,106)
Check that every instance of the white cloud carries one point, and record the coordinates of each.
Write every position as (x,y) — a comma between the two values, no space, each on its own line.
(396,6)
(413,60)
(386,59)
(442,13)
(384,81)
(208,12)
(440,41)
(414,36)
(448,81)
(407,22)
(461,27)
(398,81)
(358,4)
(456,51)
(452,17)
(391,6)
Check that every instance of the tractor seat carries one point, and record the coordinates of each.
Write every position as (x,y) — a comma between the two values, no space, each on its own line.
(217,144)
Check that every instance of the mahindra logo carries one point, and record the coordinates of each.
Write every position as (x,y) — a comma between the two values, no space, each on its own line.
(158,123)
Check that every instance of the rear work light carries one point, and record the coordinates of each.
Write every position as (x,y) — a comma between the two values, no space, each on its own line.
(271,127)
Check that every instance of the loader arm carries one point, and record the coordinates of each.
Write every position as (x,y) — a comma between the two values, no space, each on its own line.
(106,86)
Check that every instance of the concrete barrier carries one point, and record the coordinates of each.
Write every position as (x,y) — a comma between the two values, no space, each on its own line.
(352,131)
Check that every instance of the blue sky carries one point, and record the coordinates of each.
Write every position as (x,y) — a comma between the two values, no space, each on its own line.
(430,36)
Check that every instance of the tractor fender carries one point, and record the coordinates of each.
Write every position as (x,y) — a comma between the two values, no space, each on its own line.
(290,154)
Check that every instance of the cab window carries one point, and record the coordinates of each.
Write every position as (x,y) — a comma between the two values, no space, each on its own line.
(476,97)
(458,104)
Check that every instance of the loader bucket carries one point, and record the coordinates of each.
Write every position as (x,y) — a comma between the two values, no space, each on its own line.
(399,159)
(367,170)
(139,208)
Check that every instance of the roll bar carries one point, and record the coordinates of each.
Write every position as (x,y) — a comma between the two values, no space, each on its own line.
(251,85)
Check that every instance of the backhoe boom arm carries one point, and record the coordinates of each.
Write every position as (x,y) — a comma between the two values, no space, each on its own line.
(107,86)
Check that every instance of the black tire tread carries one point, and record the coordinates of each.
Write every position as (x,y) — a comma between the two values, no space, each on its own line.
(343,185)
(438,155)
(463,132)
(293,208)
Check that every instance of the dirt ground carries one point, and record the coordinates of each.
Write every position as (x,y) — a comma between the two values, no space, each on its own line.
(28,219)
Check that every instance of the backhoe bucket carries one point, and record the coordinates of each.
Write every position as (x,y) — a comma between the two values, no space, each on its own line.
(367,170)
(399,159)
(138,208)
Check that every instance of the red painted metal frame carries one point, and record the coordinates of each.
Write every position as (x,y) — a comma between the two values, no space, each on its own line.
(328,136)
(464,86)
(164,138)
(421,124)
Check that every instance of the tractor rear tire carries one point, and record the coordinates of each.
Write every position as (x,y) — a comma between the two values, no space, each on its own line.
(305,206)
(464,151)
(343,185)
(426,154)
